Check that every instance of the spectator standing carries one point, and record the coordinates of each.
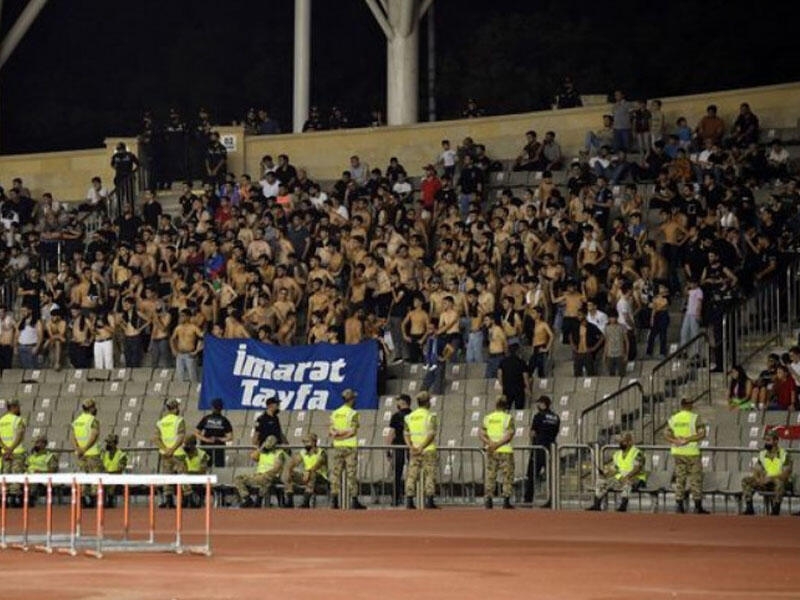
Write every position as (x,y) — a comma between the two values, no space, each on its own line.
(471,110)
(470,185)
(514,378)
(616,346)
(447,159)
(692,317)
(215,161)
(124,164)
(186,343)
(214,429)
(657,122)
(621,113)
(151,210)
(745,127)
(641,120)
(567,95)
(7,333)
(585,339)
(30,337)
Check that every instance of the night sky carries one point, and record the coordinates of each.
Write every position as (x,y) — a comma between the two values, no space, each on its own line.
(88,68)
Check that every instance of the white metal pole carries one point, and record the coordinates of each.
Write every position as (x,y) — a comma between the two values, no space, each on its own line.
(302,62)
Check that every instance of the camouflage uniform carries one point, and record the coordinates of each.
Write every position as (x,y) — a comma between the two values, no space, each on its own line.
(316,479)
(762,483)
(504,463)
(268,472)
(16,465)
(425,463)
(260,481)
(624,485)
(344,458)
(688,469)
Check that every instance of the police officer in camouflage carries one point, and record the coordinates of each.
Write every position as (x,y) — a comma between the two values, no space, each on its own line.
(420,433)
(496,435)
(685,429)
(625,474)
(770,474)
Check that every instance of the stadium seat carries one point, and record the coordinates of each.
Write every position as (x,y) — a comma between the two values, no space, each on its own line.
(12,376)
(33,375)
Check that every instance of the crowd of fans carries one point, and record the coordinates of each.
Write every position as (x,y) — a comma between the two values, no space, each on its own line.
(425,261)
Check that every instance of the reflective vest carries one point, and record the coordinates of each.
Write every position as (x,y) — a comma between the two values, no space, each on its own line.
(421,423)
(342,419)
(39,462)
(267,460)
(168,427)
(113,463)
(684,424)
(627,463)
(82,428)
(497,424)
(311,459)
(9,425)
(773,465)
(194,464)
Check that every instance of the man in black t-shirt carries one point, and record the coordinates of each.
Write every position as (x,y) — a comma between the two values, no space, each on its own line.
(268,424)
(215,429)
(544,431)
(216,164)
(394,437)
(124,164)
(514,378)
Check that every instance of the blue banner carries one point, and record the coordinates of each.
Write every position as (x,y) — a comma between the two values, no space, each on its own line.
(245,373)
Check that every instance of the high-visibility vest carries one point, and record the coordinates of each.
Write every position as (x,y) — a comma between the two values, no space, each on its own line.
(194,464)
(9,425)
(312,459)
(342,419)
(39,462)
(168,427)
(626,463)
(82,428)
(421,423)
(684,424)
(114,463)
(773,465)
(497,424)
(266,460)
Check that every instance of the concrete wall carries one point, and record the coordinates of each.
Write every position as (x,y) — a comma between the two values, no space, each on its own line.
(67,174)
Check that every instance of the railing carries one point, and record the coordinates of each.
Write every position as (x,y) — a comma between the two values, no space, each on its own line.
(754,323)
(620,411)
(574,474)
(683,374)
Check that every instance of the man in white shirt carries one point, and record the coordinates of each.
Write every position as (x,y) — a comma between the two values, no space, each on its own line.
(777,160)
(359,171)
(694,310)
(595,316)
(317,197)
(402,187)
(625,318)
(96,197)
(270,185)
(447,158)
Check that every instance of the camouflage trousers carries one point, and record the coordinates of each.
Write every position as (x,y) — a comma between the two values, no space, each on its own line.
(612,484)
(90,464)
(423,464)
(169,465)
(13,466)
(294,480)
(261,481)
(504,464)
(688,470)
(344,459)
(775,485)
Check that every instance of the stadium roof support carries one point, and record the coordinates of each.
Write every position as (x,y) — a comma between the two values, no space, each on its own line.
(302,62)
(399,21)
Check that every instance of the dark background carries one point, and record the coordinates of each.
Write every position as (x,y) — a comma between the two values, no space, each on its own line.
(88,68)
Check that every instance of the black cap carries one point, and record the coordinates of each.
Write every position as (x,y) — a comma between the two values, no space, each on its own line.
(272,400)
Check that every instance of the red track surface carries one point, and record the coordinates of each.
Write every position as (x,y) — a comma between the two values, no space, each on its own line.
(459,554)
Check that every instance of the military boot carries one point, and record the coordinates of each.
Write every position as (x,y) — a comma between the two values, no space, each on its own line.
(487,502)
(356,505)
(507,503)
(596,505)
(306,501)
(748,509)
(680,507)
(623,505)
(776,509)
(288,501)
(698,508)
(335,501)
(410,503)
(429,503)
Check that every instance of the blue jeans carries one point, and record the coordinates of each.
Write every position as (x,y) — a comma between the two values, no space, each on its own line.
(186,366)
(622,140)
(689,329)
(475,347)
(464,201)
(27,359)
(493,364)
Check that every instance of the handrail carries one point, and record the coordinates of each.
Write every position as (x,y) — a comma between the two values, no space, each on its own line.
(631,385)
(677,354)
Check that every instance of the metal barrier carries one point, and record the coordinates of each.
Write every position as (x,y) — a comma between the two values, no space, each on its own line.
(621,411)
(572,465)
(684,373)
(754,323)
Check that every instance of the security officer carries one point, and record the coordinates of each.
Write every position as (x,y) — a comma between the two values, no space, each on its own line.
(40,460)
(192,461)
(115,461)
(270,460)
(314,471)
(12,432)
(85,434)
(544,430)
(344,433)
(420,433)
(170,433)
(394,437)
(770,474)
(684,430)
(625,474)
(496,435)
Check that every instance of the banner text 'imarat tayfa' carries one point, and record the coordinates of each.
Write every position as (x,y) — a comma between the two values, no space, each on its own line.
(244,373)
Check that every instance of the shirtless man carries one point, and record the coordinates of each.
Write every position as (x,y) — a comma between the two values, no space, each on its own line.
(318,299)
(572,301)
(354,328)
(55,333)
(133,323)
(186,343)
(159,337)
(7,328)
(234,328)
(281,308)
(542,343)
(448,328)
(414,326)
(403,265)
